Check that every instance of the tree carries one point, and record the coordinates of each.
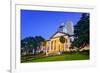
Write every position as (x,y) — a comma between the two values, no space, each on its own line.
(30,43)
(82,31)
(38,40)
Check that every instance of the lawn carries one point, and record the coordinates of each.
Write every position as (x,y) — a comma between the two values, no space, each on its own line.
(62,57)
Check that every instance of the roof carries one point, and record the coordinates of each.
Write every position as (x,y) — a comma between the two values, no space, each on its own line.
(65,34)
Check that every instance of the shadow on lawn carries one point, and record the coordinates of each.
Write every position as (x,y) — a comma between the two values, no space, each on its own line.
(31,57)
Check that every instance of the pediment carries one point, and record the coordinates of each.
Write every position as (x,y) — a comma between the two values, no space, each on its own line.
(58,34)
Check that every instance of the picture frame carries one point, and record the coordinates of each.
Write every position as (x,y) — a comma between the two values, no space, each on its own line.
(17,66)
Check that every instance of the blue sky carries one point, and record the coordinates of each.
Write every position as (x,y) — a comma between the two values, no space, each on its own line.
(44,23)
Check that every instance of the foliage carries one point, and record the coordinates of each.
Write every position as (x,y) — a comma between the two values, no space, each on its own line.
(62,39)
(82,31)
(30,43)
(85,52)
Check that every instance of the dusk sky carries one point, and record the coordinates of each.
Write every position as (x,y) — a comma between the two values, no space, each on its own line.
(44,23)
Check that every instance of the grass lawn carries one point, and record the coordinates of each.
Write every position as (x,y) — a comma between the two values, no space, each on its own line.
(62,57)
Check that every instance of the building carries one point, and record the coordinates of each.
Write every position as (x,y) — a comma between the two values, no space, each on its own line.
(54,45)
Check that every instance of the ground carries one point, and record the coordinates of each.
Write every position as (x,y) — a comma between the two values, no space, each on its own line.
(62,57)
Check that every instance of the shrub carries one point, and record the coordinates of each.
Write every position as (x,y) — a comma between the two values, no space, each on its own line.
(85,52)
